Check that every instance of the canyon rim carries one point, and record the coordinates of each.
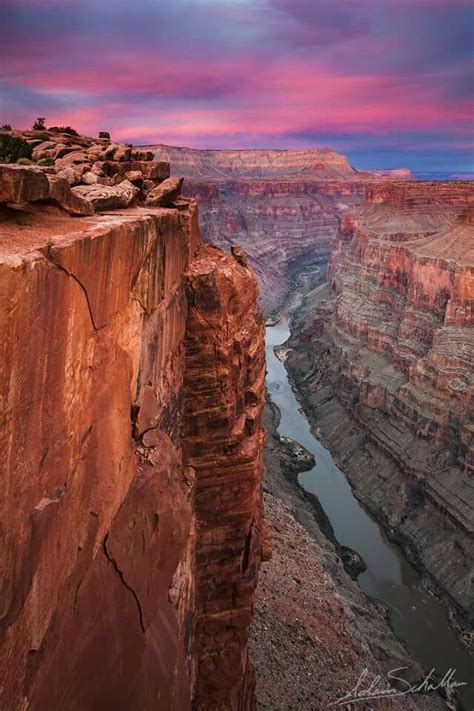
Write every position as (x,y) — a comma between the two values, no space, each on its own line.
(236,355)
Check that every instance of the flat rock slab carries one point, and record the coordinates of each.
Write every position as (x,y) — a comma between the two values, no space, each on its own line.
(104,197)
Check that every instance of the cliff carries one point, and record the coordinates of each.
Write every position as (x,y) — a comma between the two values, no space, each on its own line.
(384,360)
(282,207)
(132,388)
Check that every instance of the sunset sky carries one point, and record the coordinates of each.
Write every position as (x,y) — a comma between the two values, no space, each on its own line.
(387,82)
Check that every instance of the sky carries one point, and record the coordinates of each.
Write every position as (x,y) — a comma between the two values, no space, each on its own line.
(387,82)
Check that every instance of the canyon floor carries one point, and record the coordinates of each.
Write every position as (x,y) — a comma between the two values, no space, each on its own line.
(315,631)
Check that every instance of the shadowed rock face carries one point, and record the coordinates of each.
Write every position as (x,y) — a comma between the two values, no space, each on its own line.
(282,207)
(130,508)
(391,339)
(224,394)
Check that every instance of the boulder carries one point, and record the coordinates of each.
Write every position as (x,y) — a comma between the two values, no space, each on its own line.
(95,150)
(105,197)
(90,178)
(135,177)
(69,174)
(75,157)
(97,169)
(60,191)
(19,184)
(110,150)
(164,194)
(122,153)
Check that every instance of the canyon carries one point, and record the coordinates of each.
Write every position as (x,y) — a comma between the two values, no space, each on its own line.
(383,357)
(281,206)
(132,387)
(381,349)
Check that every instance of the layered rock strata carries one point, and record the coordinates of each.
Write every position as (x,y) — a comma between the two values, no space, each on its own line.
(389,341)
(224,394)
(130,510)
(282,207)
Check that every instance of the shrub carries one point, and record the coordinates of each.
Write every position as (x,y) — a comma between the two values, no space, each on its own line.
(104,134)
(39,124)
(46,161)
(5,127)
(63,129)
(24,161)
(13,147)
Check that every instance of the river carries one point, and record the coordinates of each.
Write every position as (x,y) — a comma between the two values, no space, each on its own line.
(418,619)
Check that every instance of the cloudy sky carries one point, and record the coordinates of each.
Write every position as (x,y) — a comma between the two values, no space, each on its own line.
(388,82)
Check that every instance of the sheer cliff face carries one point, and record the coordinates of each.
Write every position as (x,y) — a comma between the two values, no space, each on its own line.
(130,511)
(390,338)
(282,207)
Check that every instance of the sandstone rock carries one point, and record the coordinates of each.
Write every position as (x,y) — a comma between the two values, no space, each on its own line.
(90,178)
(148,185)
(151,170)
(109,198)
(22,184)
(69,174)
(386,351)
(223,433)
(60,191)
(97,169)
(79,157)
(110,150)
(122,153)
(95,150)
(165,193)
(140,155)
(135,177)
(101,555)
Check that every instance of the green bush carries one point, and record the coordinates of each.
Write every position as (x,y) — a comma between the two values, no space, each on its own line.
(5,127)
(104,134)
(45,161)
(13,147)
(24,161)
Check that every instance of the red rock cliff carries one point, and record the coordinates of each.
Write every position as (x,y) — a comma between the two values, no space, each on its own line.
(131,384)
(391,339)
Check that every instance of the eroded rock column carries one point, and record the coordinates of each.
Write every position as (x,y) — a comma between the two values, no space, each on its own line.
(223,437)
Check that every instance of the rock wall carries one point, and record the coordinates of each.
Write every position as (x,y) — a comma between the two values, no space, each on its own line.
(390,342)
(131,384)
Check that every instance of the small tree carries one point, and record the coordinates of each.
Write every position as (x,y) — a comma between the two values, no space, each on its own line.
(6,127)
(104,134)
(39,124)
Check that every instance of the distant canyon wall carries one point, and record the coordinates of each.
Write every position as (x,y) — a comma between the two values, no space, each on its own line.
(383,356)
(282,207)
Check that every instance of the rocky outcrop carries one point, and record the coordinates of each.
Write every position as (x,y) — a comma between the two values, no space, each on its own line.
(20,185)
(130,512)
(224,395)
(108,175)
(390,342)
(282,207)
